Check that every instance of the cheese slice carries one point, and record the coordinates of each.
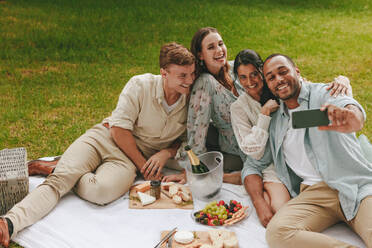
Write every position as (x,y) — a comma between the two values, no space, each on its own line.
(145,198)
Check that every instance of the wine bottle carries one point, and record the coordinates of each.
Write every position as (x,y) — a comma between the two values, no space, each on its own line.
(197,166)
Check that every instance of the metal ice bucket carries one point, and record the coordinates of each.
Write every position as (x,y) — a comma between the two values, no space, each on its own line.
(206,186)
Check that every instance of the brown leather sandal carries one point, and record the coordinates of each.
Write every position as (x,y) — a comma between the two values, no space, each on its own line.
(42,166)
(4,233)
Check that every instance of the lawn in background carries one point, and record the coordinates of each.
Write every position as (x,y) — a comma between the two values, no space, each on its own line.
(64,63)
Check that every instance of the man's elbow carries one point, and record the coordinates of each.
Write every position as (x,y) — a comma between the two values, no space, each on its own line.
(118,133)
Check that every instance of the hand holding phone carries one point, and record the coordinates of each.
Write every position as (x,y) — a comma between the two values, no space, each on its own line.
(309,118)
(345,120)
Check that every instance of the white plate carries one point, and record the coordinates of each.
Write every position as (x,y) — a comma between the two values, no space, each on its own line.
(225,195)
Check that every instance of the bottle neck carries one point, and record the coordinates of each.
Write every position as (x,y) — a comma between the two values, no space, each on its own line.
(194,160)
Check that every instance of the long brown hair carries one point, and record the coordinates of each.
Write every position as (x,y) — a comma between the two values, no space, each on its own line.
(196,47)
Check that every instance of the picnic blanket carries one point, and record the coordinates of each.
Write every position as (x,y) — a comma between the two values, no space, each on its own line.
(78,223)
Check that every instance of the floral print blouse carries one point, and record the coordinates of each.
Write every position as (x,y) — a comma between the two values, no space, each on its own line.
(210,102)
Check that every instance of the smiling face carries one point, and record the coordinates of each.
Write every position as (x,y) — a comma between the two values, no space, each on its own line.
(251,80)
(282,78)
(213,52)
(178,78)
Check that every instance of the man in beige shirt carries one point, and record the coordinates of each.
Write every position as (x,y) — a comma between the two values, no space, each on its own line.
(143,133)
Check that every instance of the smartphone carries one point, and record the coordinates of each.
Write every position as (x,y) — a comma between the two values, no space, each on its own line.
(309,118)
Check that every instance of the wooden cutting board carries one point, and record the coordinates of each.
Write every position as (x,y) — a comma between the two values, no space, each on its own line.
(201,237)
(163,203)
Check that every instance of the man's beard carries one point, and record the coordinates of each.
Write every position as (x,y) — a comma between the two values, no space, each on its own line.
(296,85)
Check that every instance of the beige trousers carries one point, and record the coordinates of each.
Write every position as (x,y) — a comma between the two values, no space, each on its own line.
(317,207)
(97,169)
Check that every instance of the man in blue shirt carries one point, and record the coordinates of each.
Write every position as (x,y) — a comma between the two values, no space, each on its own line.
(323,168)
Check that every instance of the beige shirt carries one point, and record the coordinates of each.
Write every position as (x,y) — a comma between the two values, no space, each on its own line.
(140,110)
(251,131)
(250,126)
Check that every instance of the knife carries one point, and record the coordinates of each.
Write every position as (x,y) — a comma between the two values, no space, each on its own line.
(166,237)
(170,241)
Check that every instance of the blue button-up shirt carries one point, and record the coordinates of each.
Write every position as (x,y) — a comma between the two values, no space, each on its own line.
(336,156)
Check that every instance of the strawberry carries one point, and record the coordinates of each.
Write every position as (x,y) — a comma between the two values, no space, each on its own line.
(210,223)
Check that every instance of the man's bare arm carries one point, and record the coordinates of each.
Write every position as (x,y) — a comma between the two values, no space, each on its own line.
(124,139)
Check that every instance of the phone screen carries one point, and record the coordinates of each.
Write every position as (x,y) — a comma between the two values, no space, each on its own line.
(309,118)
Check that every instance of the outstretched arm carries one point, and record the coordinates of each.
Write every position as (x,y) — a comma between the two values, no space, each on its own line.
(346,120)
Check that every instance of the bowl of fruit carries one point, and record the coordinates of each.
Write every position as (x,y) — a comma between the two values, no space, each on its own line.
(221,213)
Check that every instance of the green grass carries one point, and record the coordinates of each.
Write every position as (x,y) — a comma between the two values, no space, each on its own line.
(64,63)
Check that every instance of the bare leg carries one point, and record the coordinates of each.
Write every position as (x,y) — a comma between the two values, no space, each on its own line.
(267,198)
(233,178)
(277,193)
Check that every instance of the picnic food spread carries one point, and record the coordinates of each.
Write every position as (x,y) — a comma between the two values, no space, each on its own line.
(221,213)
(163,196)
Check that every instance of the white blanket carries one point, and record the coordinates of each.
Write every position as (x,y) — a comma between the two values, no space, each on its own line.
(77,223)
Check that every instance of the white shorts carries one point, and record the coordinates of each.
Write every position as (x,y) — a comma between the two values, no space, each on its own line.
(269,175)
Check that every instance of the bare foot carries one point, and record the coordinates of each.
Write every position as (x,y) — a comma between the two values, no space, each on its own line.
(233,178)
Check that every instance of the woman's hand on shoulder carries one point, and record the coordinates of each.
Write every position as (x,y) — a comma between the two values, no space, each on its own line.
(340,86)
(269,107)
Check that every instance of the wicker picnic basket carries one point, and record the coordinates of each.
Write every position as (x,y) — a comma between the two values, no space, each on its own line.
(13,177)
